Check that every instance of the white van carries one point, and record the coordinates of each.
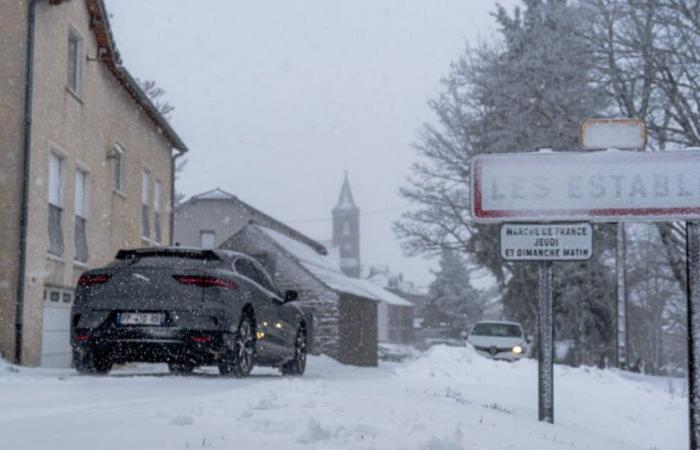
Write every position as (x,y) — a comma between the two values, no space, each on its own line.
(499,340)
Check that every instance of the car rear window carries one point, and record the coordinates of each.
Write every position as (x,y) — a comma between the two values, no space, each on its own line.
(166,258)
(497,330)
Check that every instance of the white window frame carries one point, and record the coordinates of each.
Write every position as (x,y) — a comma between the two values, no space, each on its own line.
(82,210)
(203,233)
(145,203)
(56,188)
(157,217)
(119,172)
(58,201)
(74,35)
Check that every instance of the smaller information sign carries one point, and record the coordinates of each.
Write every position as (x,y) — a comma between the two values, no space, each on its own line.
(547,242)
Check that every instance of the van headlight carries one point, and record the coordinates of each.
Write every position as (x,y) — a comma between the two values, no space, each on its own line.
(517,349)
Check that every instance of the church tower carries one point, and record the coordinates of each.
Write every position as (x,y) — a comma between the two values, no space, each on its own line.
(346,231)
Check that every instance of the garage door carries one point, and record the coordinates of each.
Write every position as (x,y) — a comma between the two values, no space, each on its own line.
(55,336)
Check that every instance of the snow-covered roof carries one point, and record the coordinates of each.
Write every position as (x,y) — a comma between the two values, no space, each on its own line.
(326,270)
(215,194)
(382,276)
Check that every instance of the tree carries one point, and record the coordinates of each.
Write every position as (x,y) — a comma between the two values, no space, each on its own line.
(155,94)
(530,90)
(453,301)
(647,57)
(656,305)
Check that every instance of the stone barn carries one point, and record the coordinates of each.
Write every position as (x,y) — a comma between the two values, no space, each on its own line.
(344,309)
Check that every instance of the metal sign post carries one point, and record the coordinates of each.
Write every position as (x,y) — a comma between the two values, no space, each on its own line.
(545,340)
(620,273)
(544,243)
(693,279)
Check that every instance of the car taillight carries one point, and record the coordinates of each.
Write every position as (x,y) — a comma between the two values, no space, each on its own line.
(89,280)
(202,281)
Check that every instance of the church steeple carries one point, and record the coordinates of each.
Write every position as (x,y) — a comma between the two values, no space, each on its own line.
(346,230)
(345,201)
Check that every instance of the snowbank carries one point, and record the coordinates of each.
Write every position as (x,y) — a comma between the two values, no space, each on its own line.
(446,399)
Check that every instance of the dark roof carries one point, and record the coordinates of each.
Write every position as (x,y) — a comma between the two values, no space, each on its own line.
(108,54)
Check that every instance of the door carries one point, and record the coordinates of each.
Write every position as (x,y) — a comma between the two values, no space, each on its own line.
(270,345)
(55,333)
(280,325)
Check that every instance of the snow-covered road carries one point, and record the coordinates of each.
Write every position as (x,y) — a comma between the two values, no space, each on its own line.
(449,398)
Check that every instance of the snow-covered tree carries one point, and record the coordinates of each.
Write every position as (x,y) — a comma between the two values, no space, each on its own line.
(528,90)
(452,301)
(656,306)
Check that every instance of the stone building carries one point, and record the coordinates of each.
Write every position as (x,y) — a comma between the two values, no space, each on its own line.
(344,309)
(395,319)
(208,219)
(86,168)
(395,314)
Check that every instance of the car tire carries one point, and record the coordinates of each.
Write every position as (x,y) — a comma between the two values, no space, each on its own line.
(180,369)
(238,362)
(91,362)
(297,366)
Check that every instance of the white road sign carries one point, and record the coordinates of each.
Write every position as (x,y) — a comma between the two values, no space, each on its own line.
(613,133)
(605,186)
(546,242)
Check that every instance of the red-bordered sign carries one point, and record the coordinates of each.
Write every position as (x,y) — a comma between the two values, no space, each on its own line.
(608,186)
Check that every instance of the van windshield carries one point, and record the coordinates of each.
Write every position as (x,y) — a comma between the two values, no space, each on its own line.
(497,329)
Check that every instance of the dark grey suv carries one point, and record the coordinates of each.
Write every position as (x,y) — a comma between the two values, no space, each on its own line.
(186,307)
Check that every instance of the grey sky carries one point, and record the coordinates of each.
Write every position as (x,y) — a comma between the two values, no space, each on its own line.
(276,99)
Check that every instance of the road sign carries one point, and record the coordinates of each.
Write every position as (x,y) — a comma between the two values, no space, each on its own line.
(606,186)
(546,242)
(613,133)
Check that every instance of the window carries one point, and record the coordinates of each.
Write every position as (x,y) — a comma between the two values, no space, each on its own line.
(207,239)
(81,214)
(75,61)
(252,271)
(263,279)
(246,268)
(346,228)
(145,195)
(119,168)
(55,204)
(157,237)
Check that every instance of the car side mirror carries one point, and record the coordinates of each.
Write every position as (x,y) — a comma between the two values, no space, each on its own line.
(290,296)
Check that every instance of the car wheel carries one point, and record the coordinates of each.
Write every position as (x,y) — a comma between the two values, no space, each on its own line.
(91,362)
(297,366)
(180,369)
(238,361)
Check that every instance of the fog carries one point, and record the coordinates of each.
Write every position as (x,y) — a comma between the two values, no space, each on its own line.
(276,102)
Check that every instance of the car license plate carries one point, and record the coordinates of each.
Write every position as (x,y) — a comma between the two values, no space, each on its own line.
(151,319)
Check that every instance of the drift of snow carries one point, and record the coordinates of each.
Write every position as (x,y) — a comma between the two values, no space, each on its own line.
(448,398)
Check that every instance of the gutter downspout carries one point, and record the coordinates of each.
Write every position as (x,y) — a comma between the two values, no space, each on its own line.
(173,165)
(24,195)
